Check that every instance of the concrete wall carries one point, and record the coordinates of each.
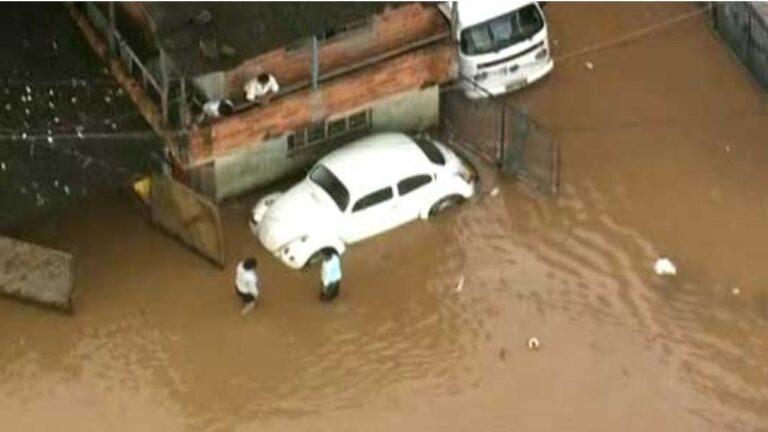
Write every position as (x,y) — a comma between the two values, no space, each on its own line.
(264,162)
(744,27)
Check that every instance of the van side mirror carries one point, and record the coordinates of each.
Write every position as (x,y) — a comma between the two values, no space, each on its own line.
(543,4)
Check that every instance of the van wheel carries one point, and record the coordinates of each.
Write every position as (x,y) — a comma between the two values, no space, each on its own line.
(444,204)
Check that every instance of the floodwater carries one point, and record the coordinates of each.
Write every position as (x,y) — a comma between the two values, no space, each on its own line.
(664,153)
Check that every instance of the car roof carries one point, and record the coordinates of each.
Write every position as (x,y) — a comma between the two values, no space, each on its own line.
(376,161)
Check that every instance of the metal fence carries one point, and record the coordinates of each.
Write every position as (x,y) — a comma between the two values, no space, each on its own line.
(503,135)
(744,27)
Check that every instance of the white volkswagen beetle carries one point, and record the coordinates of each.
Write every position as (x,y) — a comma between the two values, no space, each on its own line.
(365,188)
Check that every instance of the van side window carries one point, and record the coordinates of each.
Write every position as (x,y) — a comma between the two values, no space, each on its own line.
(372,199)
(412,183)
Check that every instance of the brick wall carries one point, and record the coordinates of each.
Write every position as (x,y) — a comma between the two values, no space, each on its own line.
(349,93)
(390,30)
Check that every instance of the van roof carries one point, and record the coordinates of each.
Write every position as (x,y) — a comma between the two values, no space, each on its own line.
(471,13)
(376,161)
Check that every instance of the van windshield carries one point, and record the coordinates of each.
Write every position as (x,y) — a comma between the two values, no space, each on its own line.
(323,177)
(501,32)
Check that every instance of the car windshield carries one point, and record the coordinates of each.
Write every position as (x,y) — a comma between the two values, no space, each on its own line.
(323,177)
(501,32)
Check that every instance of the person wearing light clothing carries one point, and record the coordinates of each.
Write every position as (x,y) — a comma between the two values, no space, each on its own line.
(331,276)
(260,87)
(247,282)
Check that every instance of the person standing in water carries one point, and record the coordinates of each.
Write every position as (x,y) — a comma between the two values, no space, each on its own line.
(331,276)
(247,283)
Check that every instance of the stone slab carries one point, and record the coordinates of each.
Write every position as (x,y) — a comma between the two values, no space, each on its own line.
(36,274)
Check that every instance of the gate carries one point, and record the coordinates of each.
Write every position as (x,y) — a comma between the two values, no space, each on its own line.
(184,213)
(744,27)
(502,135)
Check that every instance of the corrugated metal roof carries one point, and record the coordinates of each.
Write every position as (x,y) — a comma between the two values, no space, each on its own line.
(251,28)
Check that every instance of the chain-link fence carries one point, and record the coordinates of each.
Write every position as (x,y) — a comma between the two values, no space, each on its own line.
(503,135)
(744,27)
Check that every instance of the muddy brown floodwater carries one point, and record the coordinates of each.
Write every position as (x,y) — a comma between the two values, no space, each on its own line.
(665,153)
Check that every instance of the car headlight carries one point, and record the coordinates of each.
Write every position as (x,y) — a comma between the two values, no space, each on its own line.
(542,54)
(466,173)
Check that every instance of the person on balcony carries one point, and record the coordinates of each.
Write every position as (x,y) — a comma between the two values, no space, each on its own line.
(261,88)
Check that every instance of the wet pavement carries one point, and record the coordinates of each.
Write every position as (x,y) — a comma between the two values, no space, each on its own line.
(664,153)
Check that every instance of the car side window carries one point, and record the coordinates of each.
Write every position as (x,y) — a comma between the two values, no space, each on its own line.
(372,199)
(412,183)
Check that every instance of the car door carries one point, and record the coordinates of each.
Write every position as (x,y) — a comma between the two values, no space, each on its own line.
(369,215)
(414,193)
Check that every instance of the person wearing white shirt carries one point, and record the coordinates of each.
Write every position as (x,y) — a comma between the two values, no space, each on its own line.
(246,281)
(261,87)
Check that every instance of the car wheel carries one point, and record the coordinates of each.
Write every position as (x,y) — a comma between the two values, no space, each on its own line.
(317,257)
(444,204)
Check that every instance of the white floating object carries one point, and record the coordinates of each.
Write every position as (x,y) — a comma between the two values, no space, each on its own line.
(460,285)
(533,343)
(736,291)
(56,183)
(8,107)
(50,139)
(664,267)
(114,126)
(27,111)
(55,119)
(29,90)
(23,135)
(80,133)
(589,65)
(50,92)
(73,99)
(66,189)
(494,191)
(107,99)
(51,105)
(2,166)
(727,148)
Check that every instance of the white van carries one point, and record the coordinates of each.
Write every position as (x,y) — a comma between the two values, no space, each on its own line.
(503,45)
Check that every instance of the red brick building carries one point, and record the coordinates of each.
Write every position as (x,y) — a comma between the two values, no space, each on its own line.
(345,69)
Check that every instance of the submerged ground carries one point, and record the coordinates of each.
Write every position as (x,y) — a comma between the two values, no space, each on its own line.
(664,153)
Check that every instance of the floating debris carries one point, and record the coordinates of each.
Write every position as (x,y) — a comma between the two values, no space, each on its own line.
(665,267)
(56,183)
(589,65)
(73,99)
(460,285)
(494,191)
(2,166)
(107,99)
(55,119)
(80,133)
(23,135)
(50,92)
(50,139)
(55,45)
(534,344)
(727,148)
(27,111)
(119,92)
(51,105)
(736,291)
(8,107)
(29,90)
(114,126)
(66,189)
